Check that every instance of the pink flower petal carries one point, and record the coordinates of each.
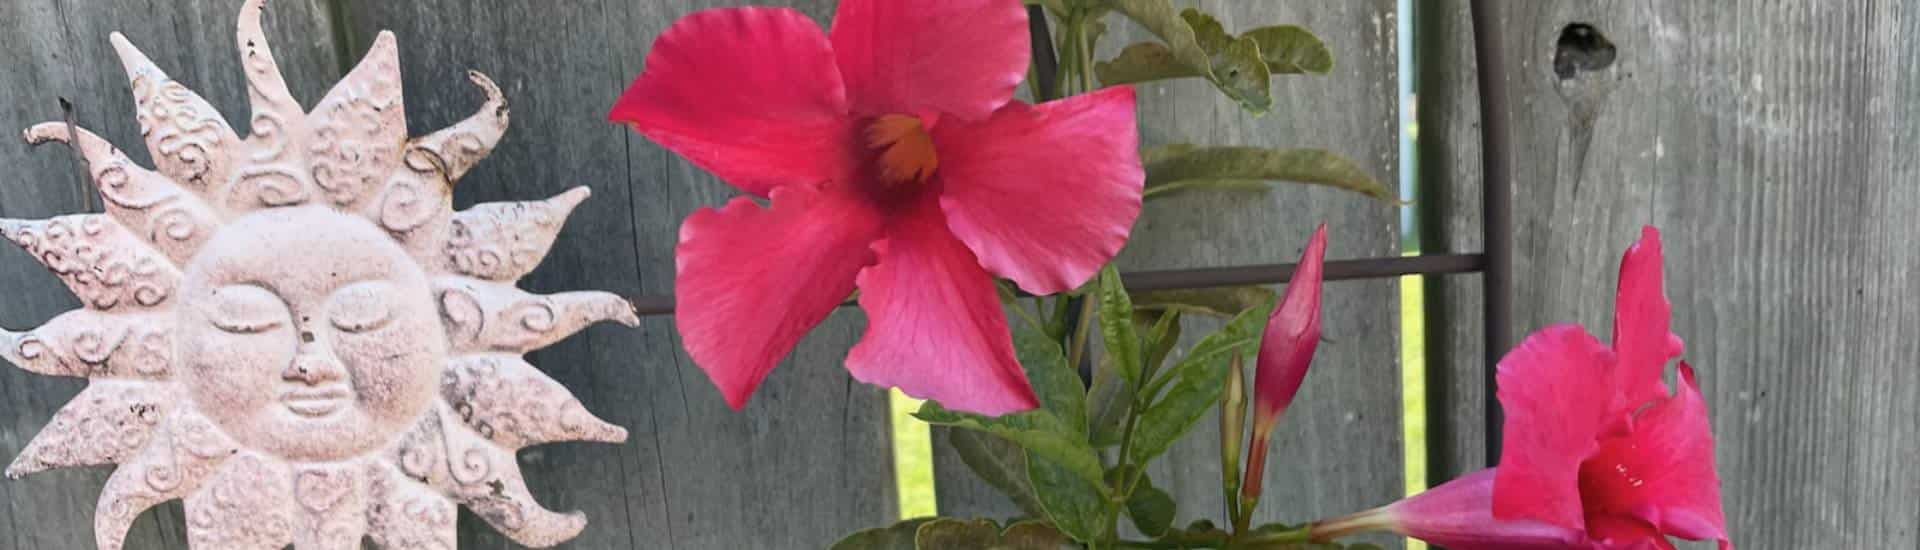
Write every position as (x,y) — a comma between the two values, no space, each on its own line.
(934,324)
(1641,337)
(1619,533)
(1459,515)
(1663,472)
(749,281)
(1044,195)
(1548,388)
(750,94)
(957,57)
(1292,335)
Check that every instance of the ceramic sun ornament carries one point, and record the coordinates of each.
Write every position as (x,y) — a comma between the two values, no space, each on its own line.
(293,331)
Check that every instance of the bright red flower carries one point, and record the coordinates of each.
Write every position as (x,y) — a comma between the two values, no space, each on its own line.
(1586,461)
(896,162)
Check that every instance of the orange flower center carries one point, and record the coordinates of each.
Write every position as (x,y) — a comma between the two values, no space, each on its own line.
(906,151)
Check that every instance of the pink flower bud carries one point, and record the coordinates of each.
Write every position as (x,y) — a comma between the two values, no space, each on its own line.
(1286,350)
(1293,332)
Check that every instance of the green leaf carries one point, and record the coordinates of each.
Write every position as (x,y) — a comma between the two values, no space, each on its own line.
(1161,339)
(1224,302)
(1196,383)
(1000,463)
(1116,324)
(1151,509)
(1235,64)
(1057,385)
(1292,49)
(955,534)
(1242,74)
(1037,431)
(977,534)
(1076,505)
(1201,167)
(1195,45)
(1207,31)
(1159,18)
(1143,62)
(1035,535)
(899,536)
(1107,403)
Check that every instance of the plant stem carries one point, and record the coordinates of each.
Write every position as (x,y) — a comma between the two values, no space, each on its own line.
(1081,328)
(1086,56)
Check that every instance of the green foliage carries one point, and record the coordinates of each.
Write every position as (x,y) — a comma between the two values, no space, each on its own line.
(1150,508)
(899,536)
(1077,506)
(1196,383)
(1176,168)
(1194,44)
(1116,325)
(1038,431)
(1000,463)
(1162,337)
(1055,382)
(956,534)
(1108,402)
(1292,49)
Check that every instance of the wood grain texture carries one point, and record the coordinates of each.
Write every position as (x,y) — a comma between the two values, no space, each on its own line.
(1774,147)
(59,49)
(808,460)
(1338,449)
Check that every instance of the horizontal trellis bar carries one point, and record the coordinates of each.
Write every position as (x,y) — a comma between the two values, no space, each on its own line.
(1365,268)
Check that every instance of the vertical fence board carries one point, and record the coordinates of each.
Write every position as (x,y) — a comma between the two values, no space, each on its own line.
(1338,449)
(1774,148)
(808,459)
(59,49)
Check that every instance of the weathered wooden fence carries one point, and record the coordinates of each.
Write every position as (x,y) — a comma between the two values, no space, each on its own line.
(1778,148)
(1765,140)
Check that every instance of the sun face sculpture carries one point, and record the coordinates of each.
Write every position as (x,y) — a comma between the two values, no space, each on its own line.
(293,331)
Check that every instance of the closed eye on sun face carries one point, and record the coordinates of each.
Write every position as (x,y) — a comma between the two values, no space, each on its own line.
(246,309)
(362,306)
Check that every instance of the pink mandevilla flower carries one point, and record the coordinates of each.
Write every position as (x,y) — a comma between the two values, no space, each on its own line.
(895,161)
(1596,453)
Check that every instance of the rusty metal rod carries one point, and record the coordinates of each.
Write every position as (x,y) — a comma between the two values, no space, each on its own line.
(1496,207)
(1366,268)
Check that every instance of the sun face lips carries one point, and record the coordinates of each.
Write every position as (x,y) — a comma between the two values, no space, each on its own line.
(317,402)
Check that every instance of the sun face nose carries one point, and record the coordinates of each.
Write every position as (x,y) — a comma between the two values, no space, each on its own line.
(313,366)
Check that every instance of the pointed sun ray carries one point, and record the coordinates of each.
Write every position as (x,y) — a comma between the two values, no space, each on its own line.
(503,241)
(456,149)
(274,109)
(87,343)
(103,263)
(402,513)
(485,478)
(185,451)
(247,486)
(359,127)
(487,316)
(146,202)
(332,512)
(107,423)
(184,133)
(514,404)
